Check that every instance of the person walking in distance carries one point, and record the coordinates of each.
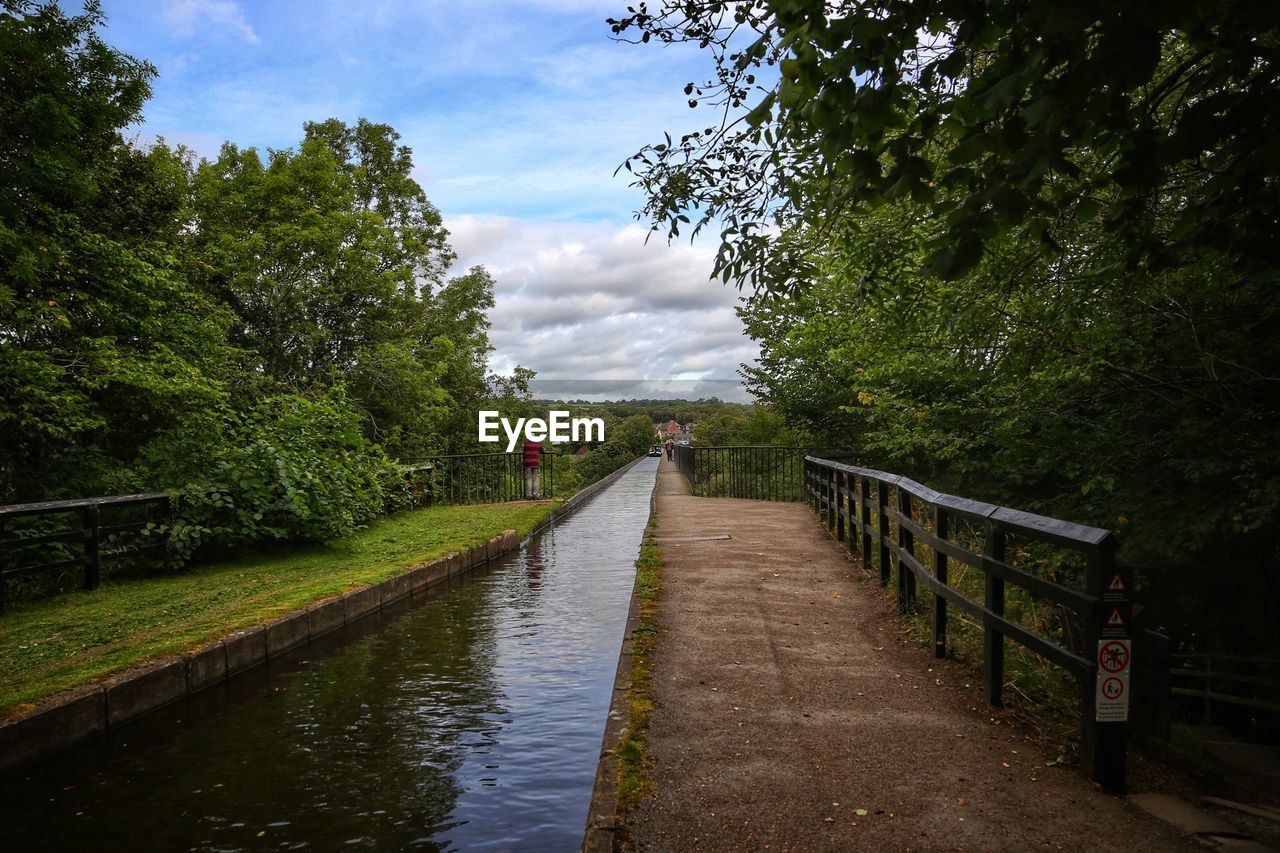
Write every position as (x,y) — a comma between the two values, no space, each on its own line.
(670,448)
(532,470)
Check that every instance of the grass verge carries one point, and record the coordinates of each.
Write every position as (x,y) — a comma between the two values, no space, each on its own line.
(82,637)
(634,783)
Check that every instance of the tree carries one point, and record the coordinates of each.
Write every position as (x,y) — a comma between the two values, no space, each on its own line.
(241,333)
(334,261)
(301,249)
(722,430)
(104,341)
(1005,117)
(1146,409)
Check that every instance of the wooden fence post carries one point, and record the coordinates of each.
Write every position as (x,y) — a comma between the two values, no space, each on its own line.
(830,480)
(941,526)
(992,638)
(907,543)
(841,512)
(882,508)
(92,553)
(865,491)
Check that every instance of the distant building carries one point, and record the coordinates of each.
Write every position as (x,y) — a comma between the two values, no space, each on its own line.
(666,430)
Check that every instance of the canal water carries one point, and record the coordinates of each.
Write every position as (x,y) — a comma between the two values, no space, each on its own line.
(468,719)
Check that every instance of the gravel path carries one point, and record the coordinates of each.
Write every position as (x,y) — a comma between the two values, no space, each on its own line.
(793,715)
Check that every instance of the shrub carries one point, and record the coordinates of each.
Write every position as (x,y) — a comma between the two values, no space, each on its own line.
(292,468)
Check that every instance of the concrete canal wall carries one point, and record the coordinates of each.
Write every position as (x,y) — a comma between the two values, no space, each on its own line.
(81,714)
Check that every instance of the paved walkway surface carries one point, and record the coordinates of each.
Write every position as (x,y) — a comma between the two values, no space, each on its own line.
(792,714)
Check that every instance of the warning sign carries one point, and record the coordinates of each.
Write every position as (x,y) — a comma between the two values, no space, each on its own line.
(1114,665)
(1115,624)
(1113,656)
(1116,590)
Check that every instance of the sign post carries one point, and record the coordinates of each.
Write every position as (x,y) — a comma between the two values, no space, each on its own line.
(1105,702)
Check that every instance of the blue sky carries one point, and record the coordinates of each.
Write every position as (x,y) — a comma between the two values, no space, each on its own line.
(518,113)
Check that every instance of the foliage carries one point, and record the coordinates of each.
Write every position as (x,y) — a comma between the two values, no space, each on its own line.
(752,426)
(104,339)
(657,410)
(1003,117)
(257,334)
(292,469)
(333,260)
(623,442)
(722,430)
(1023,252)
(1146,409)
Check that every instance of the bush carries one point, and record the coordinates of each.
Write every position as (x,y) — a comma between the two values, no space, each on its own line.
(290,469)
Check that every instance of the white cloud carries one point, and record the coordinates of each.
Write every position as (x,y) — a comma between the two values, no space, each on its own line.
(595,301)
(189,16)
(518,113)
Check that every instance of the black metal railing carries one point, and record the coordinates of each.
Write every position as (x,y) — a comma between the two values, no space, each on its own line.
(887,518)
(476,478)
(1228,687)
(767,473)
(74,534)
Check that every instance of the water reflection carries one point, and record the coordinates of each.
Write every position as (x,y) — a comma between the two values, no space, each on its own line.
(470,719)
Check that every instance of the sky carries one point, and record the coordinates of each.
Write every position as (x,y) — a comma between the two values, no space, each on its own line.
(518,113)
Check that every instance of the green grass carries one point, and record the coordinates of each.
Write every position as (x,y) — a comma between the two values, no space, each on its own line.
(634,782)
(81,637)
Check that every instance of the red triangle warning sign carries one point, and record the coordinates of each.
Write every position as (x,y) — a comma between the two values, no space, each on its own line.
(1116,585)
(1115,619)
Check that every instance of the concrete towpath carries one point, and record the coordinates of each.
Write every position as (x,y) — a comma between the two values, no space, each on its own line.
(793,714)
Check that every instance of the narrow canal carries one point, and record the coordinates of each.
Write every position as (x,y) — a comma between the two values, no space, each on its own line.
(469,719)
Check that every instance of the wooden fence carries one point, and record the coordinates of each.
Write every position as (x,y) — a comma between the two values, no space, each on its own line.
(889,519)
(1228,686)
(73,533)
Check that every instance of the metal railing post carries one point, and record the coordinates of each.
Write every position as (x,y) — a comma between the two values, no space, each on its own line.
(829,483)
